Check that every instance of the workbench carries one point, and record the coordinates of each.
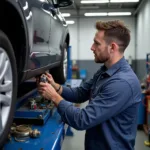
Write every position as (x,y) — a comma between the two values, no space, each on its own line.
(52,132)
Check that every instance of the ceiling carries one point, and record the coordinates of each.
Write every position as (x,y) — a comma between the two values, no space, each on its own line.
(78,9)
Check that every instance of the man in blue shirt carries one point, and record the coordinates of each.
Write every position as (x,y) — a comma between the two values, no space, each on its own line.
(114,93)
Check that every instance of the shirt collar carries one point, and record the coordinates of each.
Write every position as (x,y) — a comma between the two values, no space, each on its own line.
(115,67)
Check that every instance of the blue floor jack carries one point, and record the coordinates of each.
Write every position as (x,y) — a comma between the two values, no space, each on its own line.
(41,126)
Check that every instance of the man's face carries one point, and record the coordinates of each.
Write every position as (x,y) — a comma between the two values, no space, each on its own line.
(100,49)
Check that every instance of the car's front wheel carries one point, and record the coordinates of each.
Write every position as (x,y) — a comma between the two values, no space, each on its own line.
(8,86)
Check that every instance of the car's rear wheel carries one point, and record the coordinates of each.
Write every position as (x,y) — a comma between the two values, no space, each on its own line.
(60,73)
(8,86)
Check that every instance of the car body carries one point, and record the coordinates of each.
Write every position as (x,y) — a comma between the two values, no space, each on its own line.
(37,32)
(34,38)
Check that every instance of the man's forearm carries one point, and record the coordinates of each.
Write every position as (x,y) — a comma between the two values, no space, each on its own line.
(58,88)
(68,95)
(57,99)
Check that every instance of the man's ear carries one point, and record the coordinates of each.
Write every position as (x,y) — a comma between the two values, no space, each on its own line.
(114,46)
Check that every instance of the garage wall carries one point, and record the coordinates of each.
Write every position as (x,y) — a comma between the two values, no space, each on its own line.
(74,39)
(143,31)
(143,39)
(83,31)
(82,34)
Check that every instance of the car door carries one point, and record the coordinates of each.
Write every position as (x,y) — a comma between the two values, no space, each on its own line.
(37,15)
(57,29)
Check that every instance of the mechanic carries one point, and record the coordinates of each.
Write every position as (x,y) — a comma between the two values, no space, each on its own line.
(114,94)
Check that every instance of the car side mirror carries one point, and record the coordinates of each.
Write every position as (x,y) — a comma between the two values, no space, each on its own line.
(63,3)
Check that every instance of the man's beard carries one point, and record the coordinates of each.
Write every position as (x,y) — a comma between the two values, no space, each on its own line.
(102,58)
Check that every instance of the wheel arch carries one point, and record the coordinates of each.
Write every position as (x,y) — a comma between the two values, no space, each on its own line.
(13,25)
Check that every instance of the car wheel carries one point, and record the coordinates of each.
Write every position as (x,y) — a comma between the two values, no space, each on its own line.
(60,73)
(8,86)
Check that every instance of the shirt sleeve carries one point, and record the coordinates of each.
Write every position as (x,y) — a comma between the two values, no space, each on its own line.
(79,94)
(115,97)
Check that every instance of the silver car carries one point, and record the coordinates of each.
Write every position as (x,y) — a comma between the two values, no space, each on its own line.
(33,39)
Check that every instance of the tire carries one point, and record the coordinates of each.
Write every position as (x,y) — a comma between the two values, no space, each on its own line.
(8,86)
(58,73)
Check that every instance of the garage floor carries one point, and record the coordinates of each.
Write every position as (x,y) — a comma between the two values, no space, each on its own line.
(76,142)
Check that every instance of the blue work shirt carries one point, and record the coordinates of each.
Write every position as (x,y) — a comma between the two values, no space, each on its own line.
(110,118)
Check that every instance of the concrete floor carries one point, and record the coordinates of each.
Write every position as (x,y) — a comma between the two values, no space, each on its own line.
(76,142)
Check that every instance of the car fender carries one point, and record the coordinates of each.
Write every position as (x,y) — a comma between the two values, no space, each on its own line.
(18,8)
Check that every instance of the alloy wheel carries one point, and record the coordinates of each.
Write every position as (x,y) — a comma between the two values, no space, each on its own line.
(6,87)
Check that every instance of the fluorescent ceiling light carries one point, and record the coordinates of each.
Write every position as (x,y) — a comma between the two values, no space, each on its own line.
(89,7)
(94,1)
(96,14)
(70,22)
(66,14)
(108,14)
(123,1)
(119,13)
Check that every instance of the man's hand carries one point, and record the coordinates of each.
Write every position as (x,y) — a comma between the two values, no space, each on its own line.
(50,79)
(47,91)
(55,85)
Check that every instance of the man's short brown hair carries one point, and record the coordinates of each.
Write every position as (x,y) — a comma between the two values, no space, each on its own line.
(115,31)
